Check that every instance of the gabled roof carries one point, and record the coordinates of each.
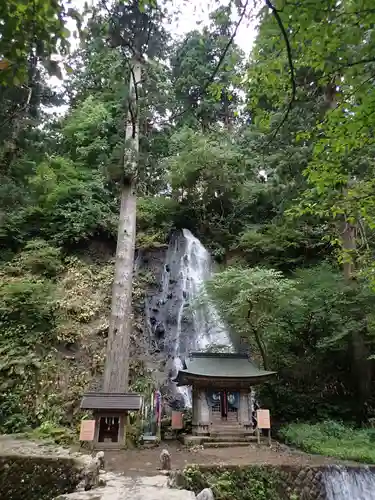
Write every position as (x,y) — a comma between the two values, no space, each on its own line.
(111,401)
(210,366)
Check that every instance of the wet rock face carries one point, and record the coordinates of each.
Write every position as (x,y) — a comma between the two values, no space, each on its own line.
(176,324)
(163,306)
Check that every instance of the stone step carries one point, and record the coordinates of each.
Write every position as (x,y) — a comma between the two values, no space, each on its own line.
(225,444)
(226,426)
(218,430)
(228,439)
(231,434)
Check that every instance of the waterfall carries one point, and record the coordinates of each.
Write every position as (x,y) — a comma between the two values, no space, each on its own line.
(207,327)
(349,483)
(179,317)
(196,268)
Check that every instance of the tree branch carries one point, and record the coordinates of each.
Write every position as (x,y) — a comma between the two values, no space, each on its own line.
(227,47)
(276,15)
(218,65)
(355,63)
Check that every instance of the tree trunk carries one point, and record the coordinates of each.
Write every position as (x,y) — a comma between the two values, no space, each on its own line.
(348,242)
(116,370)
(259,342)
(262,348)
(361,365)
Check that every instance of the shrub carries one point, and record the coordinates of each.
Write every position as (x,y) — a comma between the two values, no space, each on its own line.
(241,483)
(332,439)
(52,432)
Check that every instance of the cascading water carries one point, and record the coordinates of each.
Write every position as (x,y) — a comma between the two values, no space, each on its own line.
(179,317)
(349,483)
(196,269)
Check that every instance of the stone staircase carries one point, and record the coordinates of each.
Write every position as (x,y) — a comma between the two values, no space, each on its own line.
(223,435)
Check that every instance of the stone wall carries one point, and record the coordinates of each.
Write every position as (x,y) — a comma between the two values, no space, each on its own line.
(256,482)
(302,483)
(37,478)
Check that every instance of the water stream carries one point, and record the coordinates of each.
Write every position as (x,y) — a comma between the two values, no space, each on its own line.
(349,483)
(179,317)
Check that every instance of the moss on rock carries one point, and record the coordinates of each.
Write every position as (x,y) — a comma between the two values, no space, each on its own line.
(254,482)
(242,483)
(37,478)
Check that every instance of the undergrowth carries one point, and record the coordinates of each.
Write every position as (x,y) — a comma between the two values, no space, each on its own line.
(241,483)
(332,439)
(52,433)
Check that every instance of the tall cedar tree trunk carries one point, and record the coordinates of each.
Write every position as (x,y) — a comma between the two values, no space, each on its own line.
(116,370)
(361,366)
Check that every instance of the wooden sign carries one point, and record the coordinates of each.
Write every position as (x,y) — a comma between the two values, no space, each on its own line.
(264,422)
(177,420)
(263,419)
(87,432)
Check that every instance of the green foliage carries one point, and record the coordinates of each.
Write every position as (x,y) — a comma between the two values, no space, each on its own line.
(203,99)
(206,173)
(49,431)
(332,70)
(133,434)
(26,306)
(332,439)
(312,349)
(283,244)
(243,483)
(85,132)
(37,478)
(45,307)
(37,258)
(266,196)
(27,323)
(156,216)
(31,29)
(248,299)
(68,205)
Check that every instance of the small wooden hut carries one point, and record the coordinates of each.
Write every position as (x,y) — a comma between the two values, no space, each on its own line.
(111,415)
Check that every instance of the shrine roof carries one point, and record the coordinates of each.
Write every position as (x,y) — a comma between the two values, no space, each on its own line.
(203,365)
(111,401)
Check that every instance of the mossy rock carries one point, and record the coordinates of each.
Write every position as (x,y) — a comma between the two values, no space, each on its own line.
(37,478)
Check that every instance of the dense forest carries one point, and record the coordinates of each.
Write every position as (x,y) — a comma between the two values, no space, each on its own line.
(267,158)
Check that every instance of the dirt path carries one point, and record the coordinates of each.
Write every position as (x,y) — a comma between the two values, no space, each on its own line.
(146,462)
